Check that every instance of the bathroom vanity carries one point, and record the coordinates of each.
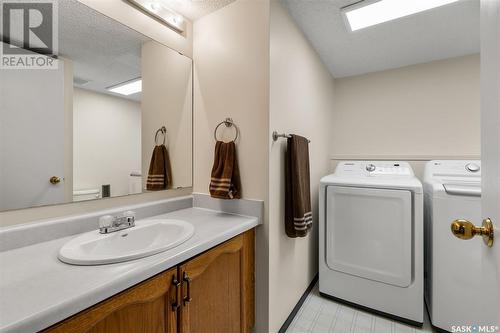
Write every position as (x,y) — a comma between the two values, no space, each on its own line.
(212,292)
(205,284)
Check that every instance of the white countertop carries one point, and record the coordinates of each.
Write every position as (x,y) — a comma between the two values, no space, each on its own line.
(37,290)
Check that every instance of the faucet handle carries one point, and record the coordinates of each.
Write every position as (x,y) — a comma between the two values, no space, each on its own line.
(129,216)
(105,221)
(129,213)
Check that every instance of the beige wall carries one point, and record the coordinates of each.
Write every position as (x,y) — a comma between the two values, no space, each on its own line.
(302,102)
(231,56)
(106,141)
(416,113)
(231,72)
(167,100)
(123,12)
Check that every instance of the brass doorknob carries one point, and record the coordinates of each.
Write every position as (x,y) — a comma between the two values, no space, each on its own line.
(55,180)
(464,229)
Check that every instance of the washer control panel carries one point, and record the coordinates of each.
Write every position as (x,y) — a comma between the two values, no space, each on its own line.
(449,168)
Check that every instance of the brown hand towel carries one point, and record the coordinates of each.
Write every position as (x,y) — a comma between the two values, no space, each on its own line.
(225,182)
(160,172)
(298,215)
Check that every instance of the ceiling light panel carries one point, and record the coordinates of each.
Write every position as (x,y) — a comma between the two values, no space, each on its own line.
(369,13)
(127,88)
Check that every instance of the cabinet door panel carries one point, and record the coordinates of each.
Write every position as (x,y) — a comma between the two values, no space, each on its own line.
(218,287)
(145,308)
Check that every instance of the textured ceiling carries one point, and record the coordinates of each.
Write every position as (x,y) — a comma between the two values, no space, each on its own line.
(104,52)
(194,9)
(440,33)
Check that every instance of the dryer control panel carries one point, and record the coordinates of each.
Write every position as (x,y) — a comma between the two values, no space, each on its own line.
(374,168)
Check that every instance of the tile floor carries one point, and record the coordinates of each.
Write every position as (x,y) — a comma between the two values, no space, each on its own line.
(322,315)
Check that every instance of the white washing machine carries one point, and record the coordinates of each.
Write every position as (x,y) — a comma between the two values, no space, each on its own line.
(371,238)
(452,190)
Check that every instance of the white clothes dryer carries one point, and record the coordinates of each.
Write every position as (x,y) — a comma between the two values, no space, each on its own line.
(371,238)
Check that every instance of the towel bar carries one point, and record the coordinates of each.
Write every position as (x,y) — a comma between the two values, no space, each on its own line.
(277,135)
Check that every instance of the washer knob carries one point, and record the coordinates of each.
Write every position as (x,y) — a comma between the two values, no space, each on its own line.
(370,167)
(472,167)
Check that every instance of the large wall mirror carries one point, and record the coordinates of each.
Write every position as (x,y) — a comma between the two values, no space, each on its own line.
(87,130)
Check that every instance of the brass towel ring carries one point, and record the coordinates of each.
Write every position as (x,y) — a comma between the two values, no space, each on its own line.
(163,131)
(229,123)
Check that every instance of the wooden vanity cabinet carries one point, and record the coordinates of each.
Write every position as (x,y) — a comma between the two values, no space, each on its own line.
(218,289)
(210,293)
(145,307)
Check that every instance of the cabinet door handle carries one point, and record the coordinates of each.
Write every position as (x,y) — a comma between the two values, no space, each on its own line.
(187,279)
(176,283)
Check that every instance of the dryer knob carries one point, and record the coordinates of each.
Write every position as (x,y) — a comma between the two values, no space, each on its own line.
(472,167)
(370,167)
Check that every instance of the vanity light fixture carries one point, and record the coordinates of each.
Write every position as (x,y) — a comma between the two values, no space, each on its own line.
(367,13)
(158,10)
(127,88)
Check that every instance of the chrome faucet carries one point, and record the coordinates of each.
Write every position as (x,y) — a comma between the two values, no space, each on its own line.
(109,223)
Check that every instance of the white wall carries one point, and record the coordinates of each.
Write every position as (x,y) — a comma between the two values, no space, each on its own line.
(301,102)
(167,100)
(231,57)
(415,113)
(106,141)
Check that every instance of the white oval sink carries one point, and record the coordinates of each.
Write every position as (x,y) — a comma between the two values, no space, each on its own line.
(148,237)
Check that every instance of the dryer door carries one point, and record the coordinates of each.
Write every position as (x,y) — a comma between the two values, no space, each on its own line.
(369,233)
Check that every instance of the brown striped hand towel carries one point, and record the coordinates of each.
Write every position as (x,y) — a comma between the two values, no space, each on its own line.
(160,172)
(298,215)
(225,182)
